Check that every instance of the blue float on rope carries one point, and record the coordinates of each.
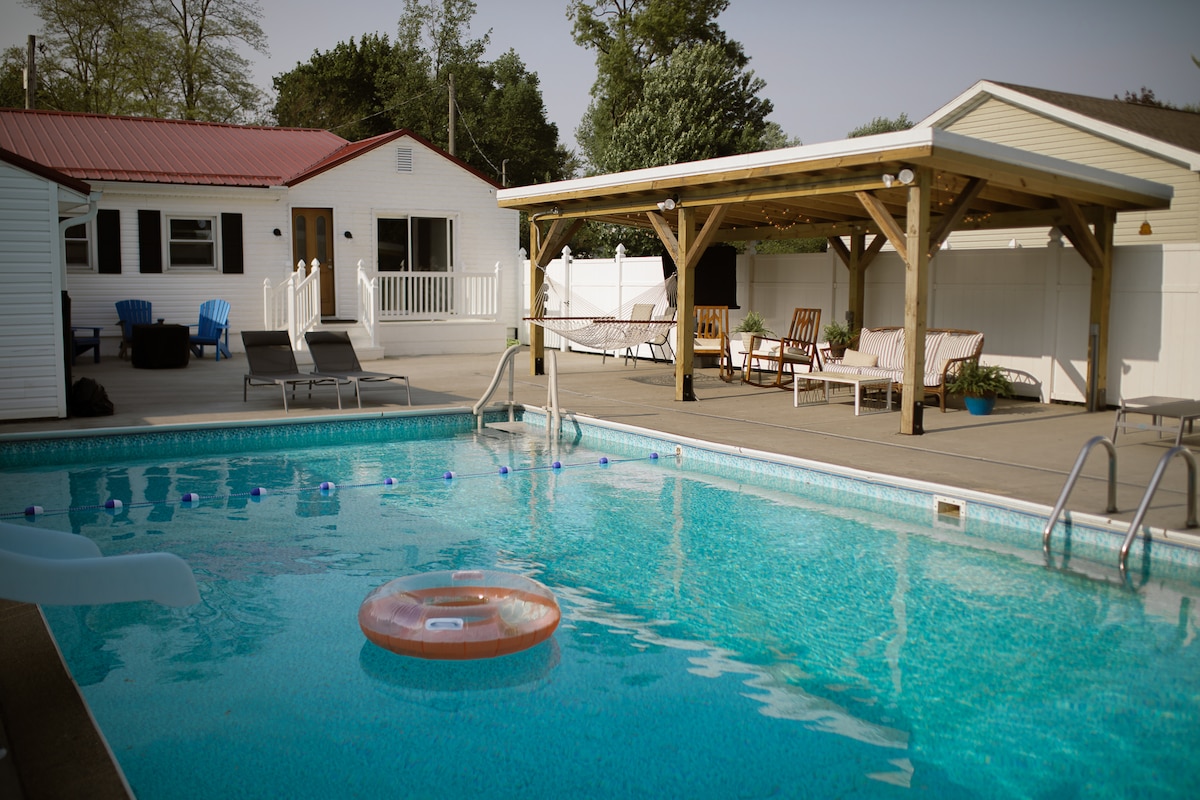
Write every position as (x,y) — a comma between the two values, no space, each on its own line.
(191,497)
(448,475)
(113,504)
(328,486)
(257,491)
(556,465)
(504,470)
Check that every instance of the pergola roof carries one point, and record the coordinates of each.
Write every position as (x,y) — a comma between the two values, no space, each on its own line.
(910,188)
(811,190)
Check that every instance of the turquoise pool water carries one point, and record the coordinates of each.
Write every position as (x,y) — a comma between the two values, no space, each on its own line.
(723,636)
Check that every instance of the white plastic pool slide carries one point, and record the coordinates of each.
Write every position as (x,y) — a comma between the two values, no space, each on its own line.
(64,569)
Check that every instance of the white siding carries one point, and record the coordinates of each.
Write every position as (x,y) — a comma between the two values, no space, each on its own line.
(371,186)
(31,351)
(358,191)
(997,121)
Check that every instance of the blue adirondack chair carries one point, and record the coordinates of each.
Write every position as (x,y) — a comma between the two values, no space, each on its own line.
(212,329)
(130,313)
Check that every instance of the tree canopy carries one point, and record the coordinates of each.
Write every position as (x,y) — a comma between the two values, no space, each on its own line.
(374,86)
(162,58)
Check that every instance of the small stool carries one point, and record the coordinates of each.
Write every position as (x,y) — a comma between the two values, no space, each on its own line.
(81,342)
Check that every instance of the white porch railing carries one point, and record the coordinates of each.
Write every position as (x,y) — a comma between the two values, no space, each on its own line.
(295,304)
(438,295)
(368,314)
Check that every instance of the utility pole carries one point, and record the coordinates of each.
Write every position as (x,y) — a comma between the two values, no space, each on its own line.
(31,75)
(450,146)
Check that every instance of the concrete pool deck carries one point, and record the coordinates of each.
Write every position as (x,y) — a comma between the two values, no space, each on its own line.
(1024,451)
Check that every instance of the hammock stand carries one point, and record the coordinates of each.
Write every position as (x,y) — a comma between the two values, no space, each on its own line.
(645,317)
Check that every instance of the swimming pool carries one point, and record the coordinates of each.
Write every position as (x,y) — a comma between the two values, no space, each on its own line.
(731,628)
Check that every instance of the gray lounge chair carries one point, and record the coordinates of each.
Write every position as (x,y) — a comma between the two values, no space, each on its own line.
(334,357)
(273,363)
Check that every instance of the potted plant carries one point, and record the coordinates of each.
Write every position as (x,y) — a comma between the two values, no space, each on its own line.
(838,337)
(754,324)
(980,386)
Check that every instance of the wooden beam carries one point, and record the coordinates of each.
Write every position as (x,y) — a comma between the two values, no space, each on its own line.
(1100,307)
(1080,234)
(957,211)
(886,222)
(537,335)
(665,234)
(705,237)
(685,326)
(916,292)
(549,246)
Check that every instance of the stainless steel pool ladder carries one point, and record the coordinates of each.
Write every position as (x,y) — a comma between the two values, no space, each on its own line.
(506,360)
(1154,481)
(1112,492)
(1074,476)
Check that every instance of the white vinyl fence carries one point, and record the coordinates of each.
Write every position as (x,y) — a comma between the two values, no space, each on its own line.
(1030,303)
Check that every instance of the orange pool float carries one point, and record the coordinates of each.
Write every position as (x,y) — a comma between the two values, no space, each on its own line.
(459,615)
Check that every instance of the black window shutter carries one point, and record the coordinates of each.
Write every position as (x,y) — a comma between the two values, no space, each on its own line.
(108,241)
(150,241)
(231,244)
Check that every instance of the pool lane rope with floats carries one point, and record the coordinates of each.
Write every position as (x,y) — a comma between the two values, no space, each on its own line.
(115,505)
(459,615)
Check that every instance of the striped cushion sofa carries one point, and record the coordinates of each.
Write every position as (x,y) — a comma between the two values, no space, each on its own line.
(880,352)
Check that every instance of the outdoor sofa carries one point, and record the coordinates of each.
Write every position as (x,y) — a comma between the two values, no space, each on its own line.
(880,352)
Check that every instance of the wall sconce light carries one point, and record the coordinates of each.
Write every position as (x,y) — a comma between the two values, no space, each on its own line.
(906,176)
(348,235)
(667,205)
(888,180)
(277,232)
(1145,229)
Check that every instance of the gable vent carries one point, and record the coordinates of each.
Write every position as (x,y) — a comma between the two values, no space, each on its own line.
(404,159)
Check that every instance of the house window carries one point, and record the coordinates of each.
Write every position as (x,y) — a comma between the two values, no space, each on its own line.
(77,248)
(191,242)
(418,244)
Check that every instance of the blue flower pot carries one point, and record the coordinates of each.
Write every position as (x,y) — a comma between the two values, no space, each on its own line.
(980,406)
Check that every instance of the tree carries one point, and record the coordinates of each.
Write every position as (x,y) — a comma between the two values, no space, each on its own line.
(338,90)
(377,86)
(881,125)
(12,78)
(165,58)
(211,76)
(630,37)
(1143,98)
(695,104)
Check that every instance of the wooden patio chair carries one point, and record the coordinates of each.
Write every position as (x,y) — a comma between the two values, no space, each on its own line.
(781,356)
(712,338)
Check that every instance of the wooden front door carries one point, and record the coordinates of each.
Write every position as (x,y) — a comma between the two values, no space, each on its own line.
(312,237)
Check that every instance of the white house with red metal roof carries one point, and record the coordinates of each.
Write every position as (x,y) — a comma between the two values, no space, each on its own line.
(401,243)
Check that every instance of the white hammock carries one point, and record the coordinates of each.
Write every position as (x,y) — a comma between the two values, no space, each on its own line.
(647,316)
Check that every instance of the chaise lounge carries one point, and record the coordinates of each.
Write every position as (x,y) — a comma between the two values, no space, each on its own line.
(273,363)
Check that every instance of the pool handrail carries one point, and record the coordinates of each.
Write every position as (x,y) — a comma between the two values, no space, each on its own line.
(1074,476)
(1152,488)
(505,361)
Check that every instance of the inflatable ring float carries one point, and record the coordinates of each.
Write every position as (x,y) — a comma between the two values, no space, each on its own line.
(459,615)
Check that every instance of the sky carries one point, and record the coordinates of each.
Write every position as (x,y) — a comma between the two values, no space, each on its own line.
(830,66)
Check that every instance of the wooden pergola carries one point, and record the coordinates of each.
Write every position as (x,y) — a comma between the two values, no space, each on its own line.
(911,189)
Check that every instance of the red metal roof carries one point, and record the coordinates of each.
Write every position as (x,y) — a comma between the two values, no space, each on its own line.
(95,147)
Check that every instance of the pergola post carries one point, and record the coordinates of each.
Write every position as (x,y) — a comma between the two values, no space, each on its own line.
(916,292)
(1099,312)
(685,315)
(537,335)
